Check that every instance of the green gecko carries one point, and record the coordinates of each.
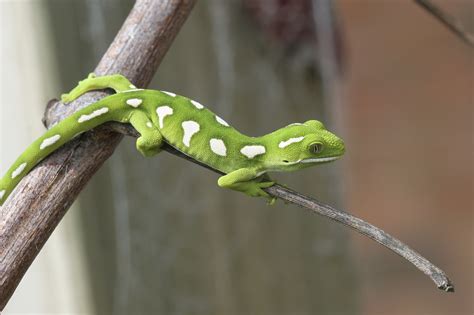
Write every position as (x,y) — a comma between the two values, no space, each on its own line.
(188,126)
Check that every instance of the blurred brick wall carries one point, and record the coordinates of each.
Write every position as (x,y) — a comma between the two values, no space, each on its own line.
(410,86)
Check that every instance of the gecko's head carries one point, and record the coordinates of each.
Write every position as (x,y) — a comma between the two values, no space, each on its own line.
(303,145)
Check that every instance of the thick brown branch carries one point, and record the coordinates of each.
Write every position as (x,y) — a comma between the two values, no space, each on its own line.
(447,20)
(37,205)
(367,229)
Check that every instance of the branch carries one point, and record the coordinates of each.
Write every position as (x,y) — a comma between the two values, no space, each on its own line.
(42,198)
(39,202)
(454,25)
(326,30)
(367,229)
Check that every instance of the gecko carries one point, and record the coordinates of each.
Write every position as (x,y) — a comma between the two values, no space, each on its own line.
(185,124)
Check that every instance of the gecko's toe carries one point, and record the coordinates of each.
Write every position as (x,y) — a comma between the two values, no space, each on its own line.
(271,201)
(65,98)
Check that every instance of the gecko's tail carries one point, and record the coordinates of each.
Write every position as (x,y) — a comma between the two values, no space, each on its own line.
(79,122)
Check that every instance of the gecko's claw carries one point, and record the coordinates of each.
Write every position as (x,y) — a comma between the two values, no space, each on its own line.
(271,201)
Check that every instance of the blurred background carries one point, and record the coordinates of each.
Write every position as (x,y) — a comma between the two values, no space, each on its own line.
(158,236)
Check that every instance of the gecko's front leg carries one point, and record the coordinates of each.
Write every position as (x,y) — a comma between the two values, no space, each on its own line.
(150,140)
(246,180)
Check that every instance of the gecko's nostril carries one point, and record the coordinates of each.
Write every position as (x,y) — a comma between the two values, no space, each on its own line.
(285,161)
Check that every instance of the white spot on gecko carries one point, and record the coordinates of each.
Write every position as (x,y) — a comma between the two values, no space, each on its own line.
(284,144)
(149,125)
(218,147)
(252,151)
(221,121)
(169,93)
(131,86)
(2,193)
(296,124)
(197,104)
(190,128)
(319,160)
(18,170)
(49,141)
(134,90)
(134,102)
(162,112)
(94,114)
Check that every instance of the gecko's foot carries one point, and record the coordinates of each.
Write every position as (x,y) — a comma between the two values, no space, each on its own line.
(149,152)
(78,90)
(149,146)
(271,200)
(253,188)
(117,82)
(66,98)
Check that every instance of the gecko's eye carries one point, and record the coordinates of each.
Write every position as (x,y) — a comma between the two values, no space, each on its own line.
(315,147)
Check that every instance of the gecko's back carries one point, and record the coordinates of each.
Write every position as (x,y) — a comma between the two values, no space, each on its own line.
(185,124)
(189,127)
(196,131)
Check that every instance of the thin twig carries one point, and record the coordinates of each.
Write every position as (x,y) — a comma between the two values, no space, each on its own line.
(454,25)
(367,229)
(326,30)
(37,205)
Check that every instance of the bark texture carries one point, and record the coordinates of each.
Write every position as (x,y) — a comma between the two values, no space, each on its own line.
(40,201)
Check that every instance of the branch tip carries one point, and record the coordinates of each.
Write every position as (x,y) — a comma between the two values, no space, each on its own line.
(288,195)
(451,23)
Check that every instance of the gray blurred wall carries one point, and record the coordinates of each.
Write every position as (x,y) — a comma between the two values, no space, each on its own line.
(159,235)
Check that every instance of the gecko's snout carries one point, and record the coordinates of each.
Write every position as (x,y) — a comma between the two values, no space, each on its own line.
(335,146)
(341,146)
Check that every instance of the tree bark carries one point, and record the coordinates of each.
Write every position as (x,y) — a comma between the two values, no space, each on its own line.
(42,198)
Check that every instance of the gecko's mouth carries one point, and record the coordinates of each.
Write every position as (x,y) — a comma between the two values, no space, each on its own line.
(320,160)
(313,160)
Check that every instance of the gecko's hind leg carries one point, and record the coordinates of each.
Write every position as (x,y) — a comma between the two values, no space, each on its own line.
(117,82)
(150,140)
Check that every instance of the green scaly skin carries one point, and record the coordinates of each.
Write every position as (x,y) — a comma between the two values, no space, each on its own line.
(189,127)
